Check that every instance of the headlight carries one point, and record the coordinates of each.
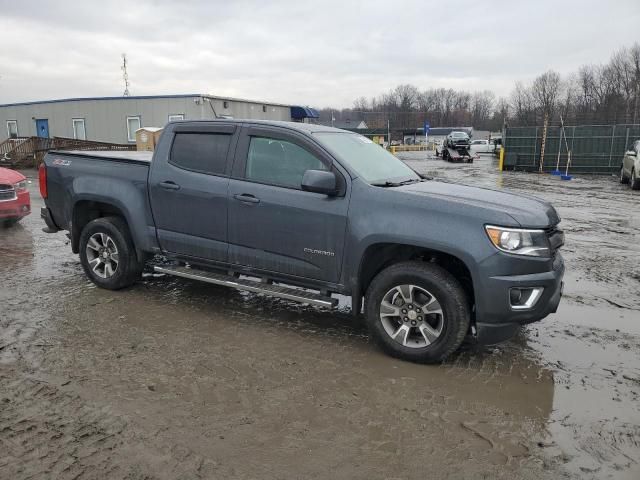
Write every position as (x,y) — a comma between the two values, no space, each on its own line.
(21,186)
(519,241)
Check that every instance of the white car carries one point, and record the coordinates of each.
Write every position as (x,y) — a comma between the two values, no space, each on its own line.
(481,146)
(630,169)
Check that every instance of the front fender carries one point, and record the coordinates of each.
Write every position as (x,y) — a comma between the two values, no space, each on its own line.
(436,245)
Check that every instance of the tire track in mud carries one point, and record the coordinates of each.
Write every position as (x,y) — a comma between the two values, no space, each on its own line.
(47,432)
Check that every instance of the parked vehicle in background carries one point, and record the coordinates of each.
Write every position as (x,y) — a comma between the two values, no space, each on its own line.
(457,140)
(630,168)
(481,146)
(270,207)
(15,202)
(456,148)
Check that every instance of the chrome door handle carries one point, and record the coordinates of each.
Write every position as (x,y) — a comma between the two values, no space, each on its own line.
(169,185)
(246,198)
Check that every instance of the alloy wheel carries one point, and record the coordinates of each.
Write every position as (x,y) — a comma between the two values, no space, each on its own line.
(102,255)
(411,316)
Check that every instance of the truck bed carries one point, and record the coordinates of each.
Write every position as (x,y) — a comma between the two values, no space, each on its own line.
(119,155)
(76,179)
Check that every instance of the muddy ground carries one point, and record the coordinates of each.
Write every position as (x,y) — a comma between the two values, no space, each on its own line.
(176,379)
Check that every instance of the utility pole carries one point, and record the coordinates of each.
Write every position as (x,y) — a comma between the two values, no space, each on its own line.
(388,133)
(125,75)
(635,106)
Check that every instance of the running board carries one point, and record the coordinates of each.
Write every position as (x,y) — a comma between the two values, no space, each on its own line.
(294,294)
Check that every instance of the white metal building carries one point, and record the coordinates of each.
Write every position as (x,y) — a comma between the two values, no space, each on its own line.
(116,119)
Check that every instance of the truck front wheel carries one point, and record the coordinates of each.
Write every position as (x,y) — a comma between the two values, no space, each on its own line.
(417,311)
(108,255)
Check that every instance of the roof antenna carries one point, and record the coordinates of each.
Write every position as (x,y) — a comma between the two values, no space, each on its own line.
(125,75)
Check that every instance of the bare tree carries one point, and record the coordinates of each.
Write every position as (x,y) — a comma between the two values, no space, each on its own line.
(634,59)
(406,97)
(546,91)
(605,93)
(522,104)
(361,104)
(481,107)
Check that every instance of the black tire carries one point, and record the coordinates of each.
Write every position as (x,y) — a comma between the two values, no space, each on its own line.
(449,294)
(634,181)
(9,222)
(623,178)
(128,269)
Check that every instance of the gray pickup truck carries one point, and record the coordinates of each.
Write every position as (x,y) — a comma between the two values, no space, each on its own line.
(305,212)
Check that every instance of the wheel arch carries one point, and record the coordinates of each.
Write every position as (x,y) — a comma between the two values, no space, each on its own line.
(86,210)
(379,256)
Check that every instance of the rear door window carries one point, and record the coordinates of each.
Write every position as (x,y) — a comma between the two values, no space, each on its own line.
(201,152)
(279,162)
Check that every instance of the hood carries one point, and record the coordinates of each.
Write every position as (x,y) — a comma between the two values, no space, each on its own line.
(10,176)
(528,211)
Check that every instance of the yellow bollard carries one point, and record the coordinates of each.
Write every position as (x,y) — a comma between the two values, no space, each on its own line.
(393,149)
(501,162)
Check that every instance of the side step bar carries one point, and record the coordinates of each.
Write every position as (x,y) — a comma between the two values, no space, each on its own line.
(294,294)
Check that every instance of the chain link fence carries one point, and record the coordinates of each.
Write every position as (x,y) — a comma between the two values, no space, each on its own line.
(595,149)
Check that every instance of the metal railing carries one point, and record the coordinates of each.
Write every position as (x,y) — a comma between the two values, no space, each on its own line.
(30,151)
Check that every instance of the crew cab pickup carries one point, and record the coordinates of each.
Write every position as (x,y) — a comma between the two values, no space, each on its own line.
(306,212)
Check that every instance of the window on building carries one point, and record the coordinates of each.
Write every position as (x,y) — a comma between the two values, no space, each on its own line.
(201,152)
(264,108)
(225,104)
(79,131)
(176,117)
(133,125)
(12,129)
(278,162)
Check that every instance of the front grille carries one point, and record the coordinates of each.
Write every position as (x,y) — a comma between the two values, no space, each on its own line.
(7,192)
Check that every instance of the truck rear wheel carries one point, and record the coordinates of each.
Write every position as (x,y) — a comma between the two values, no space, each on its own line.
(634,181)
(108,255)
(417,311)
(623,178)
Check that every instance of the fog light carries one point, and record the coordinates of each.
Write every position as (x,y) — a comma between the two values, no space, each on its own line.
(515,295)
(524,298)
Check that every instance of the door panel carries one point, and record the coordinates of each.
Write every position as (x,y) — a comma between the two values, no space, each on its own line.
(282,228)
(288,231)
(189,194)
(191,220)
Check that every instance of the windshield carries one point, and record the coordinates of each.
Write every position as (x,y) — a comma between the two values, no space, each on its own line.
(370,161)
(458,134)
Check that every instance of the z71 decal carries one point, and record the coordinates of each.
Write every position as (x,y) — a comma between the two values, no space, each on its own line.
(61,161)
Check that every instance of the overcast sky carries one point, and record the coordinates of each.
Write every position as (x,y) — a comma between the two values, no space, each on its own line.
(318,53)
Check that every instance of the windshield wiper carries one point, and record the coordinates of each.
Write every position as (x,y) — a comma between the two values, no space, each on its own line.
(387,183)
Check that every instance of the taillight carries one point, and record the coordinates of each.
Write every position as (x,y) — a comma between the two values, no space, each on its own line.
(42,178)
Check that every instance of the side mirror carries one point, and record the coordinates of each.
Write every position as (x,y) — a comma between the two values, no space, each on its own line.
(320,181)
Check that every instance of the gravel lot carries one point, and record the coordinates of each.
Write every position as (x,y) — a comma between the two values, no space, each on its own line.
(176,379)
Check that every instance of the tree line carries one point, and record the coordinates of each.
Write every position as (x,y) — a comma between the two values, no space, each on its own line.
(596,94)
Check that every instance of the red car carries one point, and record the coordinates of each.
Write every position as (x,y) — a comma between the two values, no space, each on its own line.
(15,201)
